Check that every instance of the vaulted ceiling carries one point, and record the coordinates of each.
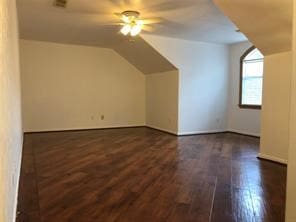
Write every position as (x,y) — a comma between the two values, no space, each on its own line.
(90,22)
(267,23)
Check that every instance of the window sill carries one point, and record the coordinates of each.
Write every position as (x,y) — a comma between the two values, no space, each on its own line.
(249,106)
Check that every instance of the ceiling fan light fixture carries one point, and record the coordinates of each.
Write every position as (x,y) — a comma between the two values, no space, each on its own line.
(140,22)
(136,30)
(132,24)
(126,29)
(125,19)
(131,14)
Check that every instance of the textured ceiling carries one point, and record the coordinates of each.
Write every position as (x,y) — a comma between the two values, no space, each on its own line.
(93,22)
(267,23)
(90,21)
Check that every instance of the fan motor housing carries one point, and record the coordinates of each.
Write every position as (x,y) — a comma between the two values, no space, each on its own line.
(131,14)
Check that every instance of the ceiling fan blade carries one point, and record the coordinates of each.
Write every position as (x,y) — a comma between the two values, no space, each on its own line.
(110,24)
(156,20)
(118,14)
(169,23)
(148,28)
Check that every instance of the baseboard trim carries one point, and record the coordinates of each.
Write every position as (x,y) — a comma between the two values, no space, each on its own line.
(196,133)
(162,130)
(217,132)
(193,133)
(82,129)
(272,159)
(243,133)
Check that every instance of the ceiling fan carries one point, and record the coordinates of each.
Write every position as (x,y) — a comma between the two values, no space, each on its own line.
(130,21)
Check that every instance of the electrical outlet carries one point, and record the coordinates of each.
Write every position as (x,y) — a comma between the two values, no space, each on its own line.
(102,117)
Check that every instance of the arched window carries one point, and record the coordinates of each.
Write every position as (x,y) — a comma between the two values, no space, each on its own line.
(251,79)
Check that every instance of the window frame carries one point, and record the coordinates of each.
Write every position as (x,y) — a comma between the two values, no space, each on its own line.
(245,106)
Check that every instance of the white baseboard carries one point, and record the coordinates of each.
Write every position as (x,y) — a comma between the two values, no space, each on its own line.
(200,132)
(81,128)
(188,133)
(219,131)
(243,132)
(151,126)
(185,133)
(272,158)
(162,129)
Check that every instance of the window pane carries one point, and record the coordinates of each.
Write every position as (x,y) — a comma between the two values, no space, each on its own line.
(255,54)
(252,91)
(252,82)
(253,68)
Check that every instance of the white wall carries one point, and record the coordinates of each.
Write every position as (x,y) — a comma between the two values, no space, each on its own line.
(246,121)
(276,107)
(10,111)
(162,101)
(204,90)
(70,87)
(203,82)
(291,181)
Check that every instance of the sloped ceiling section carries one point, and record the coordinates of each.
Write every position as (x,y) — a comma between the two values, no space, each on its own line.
(94,23)
(143,56)
(40,21)
(267,23)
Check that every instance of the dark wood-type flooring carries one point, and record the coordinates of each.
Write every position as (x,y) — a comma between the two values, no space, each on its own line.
(143,175)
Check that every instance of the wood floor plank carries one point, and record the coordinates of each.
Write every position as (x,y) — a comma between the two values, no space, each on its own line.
(140,174)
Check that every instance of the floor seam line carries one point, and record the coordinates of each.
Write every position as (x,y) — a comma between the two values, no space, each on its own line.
(213,199)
